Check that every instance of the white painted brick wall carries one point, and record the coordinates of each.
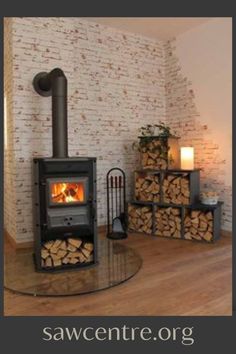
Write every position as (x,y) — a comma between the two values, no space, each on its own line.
(116,83)
(10,211)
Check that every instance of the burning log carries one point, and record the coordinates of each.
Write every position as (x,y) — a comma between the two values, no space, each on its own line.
(67,192)
(140,218)
(176,189)
(147,187)
(168,222)
(198,225)
(60,252)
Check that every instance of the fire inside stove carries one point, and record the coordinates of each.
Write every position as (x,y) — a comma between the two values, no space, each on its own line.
(67,192)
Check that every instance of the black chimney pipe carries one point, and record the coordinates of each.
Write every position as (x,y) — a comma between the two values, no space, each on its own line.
(54,84)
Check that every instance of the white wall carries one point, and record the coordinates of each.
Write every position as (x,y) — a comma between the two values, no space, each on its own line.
(205,54)
(199,102)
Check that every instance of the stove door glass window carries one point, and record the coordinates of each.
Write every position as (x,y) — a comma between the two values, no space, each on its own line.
(67,191)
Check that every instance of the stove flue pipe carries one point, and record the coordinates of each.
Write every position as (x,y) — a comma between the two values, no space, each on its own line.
(54,84)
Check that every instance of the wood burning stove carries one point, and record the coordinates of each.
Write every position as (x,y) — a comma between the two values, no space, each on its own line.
(65,192)
(65,204)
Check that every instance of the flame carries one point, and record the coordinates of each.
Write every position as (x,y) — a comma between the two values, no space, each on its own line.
(67,192)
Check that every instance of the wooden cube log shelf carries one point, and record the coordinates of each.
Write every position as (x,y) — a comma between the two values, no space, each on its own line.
(196,222)
(179,187)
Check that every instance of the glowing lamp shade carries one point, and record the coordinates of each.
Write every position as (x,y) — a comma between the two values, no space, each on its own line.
(187,158)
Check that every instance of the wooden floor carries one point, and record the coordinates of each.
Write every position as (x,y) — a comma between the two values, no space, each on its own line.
(181,278)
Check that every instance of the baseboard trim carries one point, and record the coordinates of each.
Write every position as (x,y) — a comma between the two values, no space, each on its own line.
(226,233)
(101,230)
(29,244)
(17,245)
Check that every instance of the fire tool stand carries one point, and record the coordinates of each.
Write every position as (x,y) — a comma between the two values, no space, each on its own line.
(116,204)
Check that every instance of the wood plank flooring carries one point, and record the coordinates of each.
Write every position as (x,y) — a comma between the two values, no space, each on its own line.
(179,278)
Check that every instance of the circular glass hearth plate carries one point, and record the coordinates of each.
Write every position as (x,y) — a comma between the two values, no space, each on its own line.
(116,264)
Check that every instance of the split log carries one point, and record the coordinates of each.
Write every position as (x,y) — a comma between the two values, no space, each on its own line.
(82,257)
(55,246)
(88,246)
(61,253)
(48,262)
(63,246)
(168,222)
(89,259)
(198,225)
(85,252)
(76,242)
(57,262)
(71,248)
(48,244)
(176,189)
(140,218)
(74,260)
(44,253)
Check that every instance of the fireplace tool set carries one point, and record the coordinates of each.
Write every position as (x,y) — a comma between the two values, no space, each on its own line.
(116,204)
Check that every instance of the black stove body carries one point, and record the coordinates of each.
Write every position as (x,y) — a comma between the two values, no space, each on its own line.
(65,204)
(64,192)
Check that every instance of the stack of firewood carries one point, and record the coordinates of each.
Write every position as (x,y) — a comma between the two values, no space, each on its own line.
(153,161)
(55,253)
(155,155)
(140,218)
(168,222)
(176,189)
(198,225)
(147,187)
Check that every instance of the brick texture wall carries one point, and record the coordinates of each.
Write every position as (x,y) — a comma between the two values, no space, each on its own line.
(116,83)
(10,211)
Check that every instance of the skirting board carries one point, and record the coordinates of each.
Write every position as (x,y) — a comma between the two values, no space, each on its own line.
(101,230)
(29,244)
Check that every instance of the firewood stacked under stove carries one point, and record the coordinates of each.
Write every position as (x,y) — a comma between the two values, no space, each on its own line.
(55,253)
